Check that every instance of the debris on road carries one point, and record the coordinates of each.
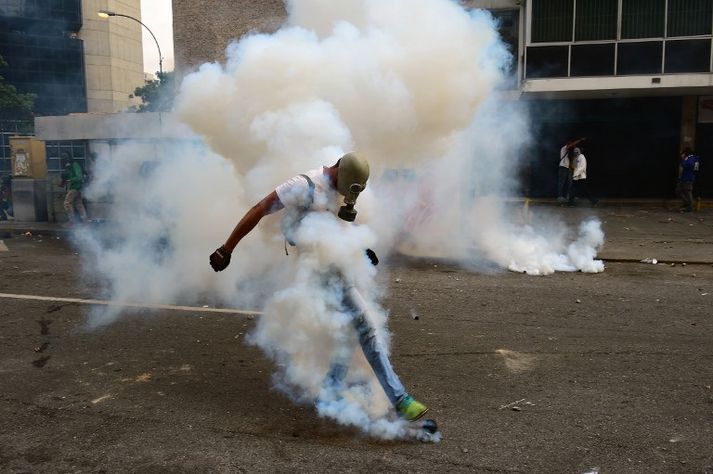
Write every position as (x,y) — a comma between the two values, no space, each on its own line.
(42,347)
(100,399)
(650,260)
(512,404)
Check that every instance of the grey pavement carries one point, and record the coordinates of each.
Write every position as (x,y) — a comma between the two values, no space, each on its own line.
(570,373)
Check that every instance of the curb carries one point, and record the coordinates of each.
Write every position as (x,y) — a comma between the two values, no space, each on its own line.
(17,230)
(659,262)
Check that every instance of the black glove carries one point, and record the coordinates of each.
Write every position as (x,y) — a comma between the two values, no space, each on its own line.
(372,256)
(220,259)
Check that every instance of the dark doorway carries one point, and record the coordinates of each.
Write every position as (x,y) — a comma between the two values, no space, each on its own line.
(631,148)
(704,149)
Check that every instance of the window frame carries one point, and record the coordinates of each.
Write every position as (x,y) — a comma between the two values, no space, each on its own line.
(528,43)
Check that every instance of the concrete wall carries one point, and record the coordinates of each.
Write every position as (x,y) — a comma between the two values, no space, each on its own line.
(203,29)
(493,4)
(136,126)
(113,54)
(619,86)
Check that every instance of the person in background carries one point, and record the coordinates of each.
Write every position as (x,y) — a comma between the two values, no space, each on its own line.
(6,198)
(579,178)
(688,169)
(73,178)
(564,174)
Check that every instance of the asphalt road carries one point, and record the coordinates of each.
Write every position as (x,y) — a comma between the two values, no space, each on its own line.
(610,372)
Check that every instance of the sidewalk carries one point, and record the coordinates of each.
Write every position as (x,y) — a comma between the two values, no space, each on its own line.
(633,230)
(10,229)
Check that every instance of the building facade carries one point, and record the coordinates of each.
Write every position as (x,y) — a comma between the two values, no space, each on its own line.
(74,61)
(202,30)
(634,76)
(113,54)
(39,42)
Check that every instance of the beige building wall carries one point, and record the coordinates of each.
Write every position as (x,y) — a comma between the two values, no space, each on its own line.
(203,29)
(113,54)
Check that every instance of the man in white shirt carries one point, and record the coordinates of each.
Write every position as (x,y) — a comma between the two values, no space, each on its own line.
(564,174)
(318,190)
(579,178)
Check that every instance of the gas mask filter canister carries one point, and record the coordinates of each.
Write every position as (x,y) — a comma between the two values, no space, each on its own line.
(352,176)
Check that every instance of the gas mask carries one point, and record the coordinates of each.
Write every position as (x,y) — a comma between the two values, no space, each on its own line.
(347,211)
(352,176)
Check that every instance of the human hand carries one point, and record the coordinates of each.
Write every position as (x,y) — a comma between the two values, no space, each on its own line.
(220,259)
(372,257)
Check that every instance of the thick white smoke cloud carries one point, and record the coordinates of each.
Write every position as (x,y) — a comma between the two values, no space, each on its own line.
(410,84)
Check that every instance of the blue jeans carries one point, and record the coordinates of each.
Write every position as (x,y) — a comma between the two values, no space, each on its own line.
(564,182)
(374,350)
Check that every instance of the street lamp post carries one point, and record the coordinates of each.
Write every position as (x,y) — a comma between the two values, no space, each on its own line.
(107,14)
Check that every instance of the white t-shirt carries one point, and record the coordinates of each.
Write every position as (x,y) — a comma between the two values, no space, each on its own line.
(580,168)
(294,194)
(564,159)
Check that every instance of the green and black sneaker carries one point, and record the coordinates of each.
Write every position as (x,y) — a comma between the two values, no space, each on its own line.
(411,409)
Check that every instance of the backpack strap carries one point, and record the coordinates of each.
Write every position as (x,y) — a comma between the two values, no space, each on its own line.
(310,198)
(308,204)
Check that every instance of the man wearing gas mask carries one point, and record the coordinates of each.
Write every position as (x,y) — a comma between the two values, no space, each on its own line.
(319,190)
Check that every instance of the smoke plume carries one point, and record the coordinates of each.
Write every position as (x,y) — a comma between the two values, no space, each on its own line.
(412,85)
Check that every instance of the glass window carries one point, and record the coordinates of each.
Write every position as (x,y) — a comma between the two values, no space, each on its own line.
(689,17)
(56,150)
(54,164)
(78,150)
(547,61)
(688,56)
(592,60)
(50,66)
(596,20)
(52,151)
(552,20)
(639,58)
(642,18)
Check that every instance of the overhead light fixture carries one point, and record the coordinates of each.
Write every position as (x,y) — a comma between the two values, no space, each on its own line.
(105,13)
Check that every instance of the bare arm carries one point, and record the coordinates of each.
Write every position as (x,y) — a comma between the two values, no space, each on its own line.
(220,259)
(269,204)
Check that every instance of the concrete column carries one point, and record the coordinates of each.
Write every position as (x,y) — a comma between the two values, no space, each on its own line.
(29,199)
(689,117)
